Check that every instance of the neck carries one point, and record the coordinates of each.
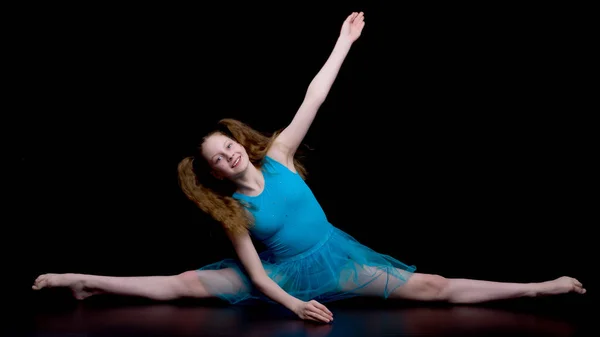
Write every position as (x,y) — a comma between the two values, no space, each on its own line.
(251,182)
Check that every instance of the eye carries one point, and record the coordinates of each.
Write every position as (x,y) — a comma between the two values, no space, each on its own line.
(218,158)
(229,146)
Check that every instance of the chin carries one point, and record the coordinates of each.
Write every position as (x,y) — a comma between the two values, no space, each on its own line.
(243,165)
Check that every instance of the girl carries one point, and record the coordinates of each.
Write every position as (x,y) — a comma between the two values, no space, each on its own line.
(254,186)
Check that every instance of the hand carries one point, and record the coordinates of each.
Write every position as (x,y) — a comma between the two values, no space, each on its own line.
(313,310)
(353,26)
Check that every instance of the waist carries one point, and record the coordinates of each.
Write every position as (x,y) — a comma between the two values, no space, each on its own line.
(282,257)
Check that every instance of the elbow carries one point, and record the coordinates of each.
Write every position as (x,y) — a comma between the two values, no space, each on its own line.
(316,92)
(315,96)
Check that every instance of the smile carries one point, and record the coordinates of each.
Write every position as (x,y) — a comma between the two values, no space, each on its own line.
(236,162)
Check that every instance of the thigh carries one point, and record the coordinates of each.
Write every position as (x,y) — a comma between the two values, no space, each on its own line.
(393,283)
(374,281)
(223,282)
(421,287)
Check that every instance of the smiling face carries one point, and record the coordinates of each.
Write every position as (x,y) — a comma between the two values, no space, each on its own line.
(227,158)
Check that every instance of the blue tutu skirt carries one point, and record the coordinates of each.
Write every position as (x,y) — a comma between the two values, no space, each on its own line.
(336,268)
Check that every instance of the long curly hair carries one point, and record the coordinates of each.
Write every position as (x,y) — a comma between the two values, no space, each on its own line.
(214,196)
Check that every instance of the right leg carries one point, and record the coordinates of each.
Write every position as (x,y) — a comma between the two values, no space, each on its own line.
(188,284)
(427,287)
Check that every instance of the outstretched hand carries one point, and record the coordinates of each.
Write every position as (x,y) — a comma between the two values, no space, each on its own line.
(353,26)
(314,311)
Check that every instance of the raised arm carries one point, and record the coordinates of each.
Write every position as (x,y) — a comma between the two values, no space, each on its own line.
(311,310)
(290,138)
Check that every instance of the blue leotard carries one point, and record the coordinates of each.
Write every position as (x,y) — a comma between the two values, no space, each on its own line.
(288,218)
(306,255)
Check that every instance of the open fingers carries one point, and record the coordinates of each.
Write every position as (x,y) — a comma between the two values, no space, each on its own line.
(323,308)
(320,310)
(357,17)
(352,16)
(318,316)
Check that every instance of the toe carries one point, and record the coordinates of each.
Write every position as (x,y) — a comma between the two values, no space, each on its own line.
(40,282)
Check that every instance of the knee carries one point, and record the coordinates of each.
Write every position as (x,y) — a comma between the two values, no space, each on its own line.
(435,286)
(189,284)
(187,276)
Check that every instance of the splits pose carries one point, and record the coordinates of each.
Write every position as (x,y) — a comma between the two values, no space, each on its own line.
(254,186)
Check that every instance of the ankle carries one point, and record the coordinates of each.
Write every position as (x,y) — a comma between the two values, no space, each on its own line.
(79,280)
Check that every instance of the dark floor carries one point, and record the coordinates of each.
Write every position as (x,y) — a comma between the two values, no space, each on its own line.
(51,315)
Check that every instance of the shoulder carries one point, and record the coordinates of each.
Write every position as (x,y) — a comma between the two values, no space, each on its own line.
(281,156)
(274,166)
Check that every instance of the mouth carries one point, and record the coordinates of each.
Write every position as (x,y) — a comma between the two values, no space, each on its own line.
(236,162)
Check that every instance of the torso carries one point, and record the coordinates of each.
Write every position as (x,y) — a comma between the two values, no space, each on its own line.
(288,218)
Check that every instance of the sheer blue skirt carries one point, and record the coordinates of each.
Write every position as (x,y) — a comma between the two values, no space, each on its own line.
(336,268)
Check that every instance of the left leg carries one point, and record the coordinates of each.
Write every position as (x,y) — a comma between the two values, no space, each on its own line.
(427,287)
(161,288)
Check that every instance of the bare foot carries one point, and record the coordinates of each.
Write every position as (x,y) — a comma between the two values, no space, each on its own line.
(76,282)
(561,285)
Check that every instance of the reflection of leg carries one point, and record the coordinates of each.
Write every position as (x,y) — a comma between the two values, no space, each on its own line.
(145,320)
(466,319)
(187,284)
(427,287)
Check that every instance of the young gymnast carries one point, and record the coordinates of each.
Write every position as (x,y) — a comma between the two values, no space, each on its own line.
(254,186)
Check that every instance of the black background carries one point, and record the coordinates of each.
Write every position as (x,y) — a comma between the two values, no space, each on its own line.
(455,139)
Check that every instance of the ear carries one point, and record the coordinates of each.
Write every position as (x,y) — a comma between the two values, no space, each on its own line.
(216,175)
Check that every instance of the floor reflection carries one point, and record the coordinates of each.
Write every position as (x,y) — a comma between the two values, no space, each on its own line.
(176,320)
(460,321)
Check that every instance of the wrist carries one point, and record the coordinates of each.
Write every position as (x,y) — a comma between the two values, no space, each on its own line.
(344,41)
(295,304)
